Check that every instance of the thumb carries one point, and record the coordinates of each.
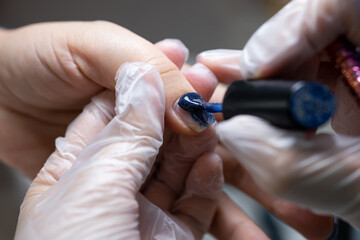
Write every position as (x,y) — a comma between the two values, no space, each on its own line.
(118,45)
(136,131)
(296,33)
(85,57)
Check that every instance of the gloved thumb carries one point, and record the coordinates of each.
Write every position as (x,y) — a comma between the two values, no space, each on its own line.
(136,131)
(320,173)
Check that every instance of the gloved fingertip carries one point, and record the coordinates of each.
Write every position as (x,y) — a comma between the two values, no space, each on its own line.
(225,63)
(206,178)
(250,66)
(140,101)
(245,125)
(219,54)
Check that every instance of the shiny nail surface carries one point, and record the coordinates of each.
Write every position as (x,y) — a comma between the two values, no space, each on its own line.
(190,107)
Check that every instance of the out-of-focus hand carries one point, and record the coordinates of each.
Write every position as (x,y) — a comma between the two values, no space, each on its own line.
(292,44)
(89,187)
(49,73)
(321,173)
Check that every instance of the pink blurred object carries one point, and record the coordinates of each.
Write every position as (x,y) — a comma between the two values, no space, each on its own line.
(347,59)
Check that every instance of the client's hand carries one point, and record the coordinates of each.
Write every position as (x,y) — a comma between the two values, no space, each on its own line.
(89,187)
(292,45)
(50,71)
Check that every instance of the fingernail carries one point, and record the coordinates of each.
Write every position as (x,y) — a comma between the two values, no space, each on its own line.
(177,43)
(197,120)
(335,232)
(202,70)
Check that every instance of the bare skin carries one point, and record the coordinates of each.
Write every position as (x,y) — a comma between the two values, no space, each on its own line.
(49,73)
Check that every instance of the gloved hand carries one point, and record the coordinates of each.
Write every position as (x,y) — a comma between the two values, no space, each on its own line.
(289,41)
(320,173)
(89,187)
(291,44)
(50,71)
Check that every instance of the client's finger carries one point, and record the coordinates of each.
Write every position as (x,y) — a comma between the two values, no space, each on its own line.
(197,205)
(199,76)
(231,223)
(202,79)
(175,50)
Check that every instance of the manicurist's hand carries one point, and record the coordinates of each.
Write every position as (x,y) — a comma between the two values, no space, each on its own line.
(49,73)
(293,44)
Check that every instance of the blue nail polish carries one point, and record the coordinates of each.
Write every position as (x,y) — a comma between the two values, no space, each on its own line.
(199,109)
(191,102)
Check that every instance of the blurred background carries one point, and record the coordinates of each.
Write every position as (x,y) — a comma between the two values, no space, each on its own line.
(200,24)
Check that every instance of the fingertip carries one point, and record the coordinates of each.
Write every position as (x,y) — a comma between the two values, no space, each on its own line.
(175,50)
(175,86)
(202,79)
(247,128)
(206,176)
(224,63)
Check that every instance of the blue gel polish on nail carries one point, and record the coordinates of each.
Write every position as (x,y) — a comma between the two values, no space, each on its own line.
(198,108)
(191,102)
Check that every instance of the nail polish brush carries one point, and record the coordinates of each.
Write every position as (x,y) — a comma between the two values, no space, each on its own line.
(284,103)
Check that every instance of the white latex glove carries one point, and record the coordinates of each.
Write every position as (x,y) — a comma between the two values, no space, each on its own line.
(89,187)
(291,45)
(296,33)
(321,173)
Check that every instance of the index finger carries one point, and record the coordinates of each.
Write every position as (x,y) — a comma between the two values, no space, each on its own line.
(89,54)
